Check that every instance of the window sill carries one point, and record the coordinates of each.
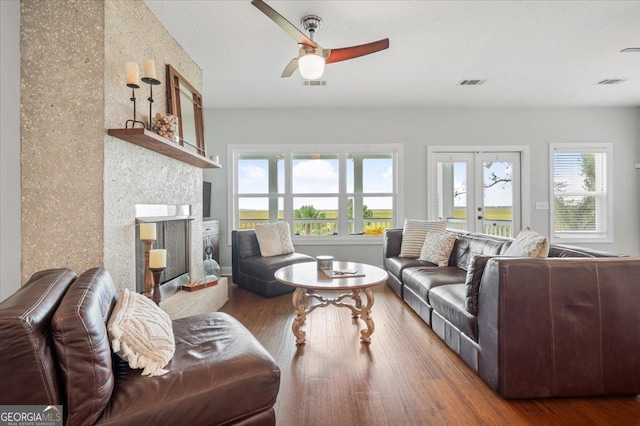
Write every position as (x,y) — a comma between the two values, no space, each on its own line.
(578,240)
(337,241)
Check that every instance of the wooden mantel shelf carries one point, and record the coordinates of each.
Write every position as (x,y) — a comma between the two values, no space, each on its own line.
(150,140)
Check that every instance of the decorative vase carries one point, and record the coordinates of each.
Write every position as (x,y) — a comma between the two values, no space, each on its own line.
(211,267)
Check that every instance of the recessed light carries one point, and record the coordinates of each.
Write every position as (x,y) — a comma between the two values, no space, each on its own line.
(317,83)
(611,81)
(475,82)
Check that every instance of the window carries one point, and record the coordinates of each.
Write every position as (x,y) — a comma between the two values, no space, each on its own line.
(328,192)
(581,210)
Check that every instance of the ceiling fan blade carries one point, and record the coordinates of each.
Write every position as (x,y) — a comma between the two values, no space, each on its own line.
(345,53)
(290,68)
(289,28)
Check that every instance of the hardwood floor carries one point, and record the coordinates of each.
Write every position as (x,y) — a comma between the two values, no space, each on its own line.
(406,376)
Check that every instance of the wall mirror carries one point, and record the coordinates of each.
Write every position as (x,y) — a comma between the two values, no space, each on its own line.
(185,102)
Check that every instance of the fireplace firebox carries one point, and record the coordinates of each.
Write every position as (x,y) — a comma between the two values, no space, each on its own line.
(173,225)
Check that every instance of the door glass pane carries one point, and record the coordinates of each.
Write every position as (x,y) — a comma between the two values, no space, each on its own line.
(497,198)
(452,194)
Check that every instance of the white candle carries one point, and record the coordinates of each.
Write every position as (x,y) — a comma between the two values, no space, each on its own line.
(158,258)
(132,73)
(149,67)
(147,231)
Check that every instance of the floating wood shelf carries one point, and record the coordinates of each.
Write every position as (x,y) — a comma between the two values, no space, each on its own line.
(150,140)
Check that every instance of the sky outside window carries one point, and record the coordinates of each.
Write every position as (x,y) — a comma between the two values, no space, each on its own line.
(315,176)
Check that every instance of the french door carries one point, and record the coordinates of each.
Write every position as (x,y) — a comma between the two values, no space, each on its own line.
(477,191)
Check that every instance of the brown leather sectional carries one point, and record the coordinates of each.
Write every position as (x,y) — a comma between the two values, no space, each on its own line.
(54,350)
(563,326)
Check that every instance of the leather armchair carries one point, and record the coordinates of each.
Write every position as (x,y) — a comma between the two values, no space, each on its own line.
(254,272)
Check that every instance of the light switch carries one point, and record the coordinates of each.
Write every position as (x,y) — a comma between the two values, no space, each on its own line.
(542,205)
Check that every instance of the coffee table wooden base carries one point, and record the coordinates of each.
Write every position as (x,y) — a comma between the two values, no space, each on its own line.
(303,303)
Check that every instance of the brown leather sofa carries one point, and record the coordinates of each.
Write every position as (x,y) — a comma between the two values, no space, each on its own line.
(255,273)
(563,326)
(54,350)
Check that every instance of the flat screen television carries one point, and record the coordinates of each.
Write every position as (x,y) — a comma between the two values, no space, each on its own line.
(206,199)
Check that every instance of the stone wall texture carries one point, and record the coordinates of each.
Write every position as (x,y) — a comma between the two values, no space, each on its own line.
(80,186)
(62,115)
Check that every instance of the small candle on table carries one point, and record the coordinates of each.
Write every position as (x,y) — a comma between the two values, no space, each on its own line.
(132,73)
(157,259)
(147,231)
(149,67)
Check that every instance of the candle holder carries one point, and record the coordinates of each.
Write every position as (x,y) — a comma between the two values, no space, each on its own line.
(151,82)
(133,99)
(148,280)
(157,275)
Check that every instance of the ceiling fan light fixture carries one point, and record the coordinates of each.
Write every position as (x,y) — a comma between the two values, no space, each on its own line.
(311,66)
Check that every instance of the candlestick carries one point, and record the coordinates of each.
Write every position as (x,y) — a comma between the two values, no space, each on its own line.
(148,280)
(132,78)
(148,231)
(158,258)
(157,275)
(148,236)
(150,78)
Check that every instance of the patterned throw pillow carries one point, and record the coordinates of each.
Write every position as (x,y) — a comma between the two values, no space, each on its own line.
(437,248)
(414,233)
(528,243)
(141,333)
(274,239)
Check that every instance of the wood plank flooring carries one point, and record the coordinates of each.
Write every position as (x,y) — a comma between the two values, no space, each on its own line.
(406,376)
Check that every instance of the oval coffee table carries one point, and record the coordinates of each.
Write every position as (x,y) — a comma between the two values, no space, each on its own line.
(306,278)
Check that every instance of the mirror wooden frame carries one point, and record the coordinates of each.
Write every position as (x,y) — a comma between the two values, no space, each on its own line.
(174,106)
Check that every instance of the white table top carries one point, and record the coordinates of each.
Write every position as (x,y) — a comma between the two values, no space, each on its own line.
(306,275)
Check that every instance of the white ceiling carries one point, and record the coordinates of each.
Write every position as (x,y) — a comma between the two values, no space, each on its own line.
(531,53)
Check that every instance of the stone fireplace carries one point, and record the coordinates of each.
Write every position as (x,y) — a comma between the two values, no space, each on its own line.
(80,186)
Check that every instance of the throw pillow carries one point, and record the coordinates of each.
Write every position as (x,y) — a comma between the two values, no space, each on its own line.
(274,239)
(141,333)
(414,233)
(437,248)
(528,243)
(474,276)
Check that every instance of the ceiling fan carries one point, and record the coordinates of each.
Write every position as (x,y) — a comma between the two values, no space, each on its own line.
(312,58)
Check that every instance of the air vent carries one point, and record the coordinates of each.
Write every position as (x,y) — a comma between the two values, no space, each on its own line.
(471,82)
(611,81)
(314,82)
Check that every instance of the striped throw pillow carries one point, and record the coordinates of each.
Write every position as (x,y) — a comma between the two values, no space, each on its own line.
(414,233)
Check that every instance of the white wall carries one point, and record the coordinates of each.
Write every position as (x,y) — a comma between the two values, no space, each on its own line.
(10,194)
(419,128)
